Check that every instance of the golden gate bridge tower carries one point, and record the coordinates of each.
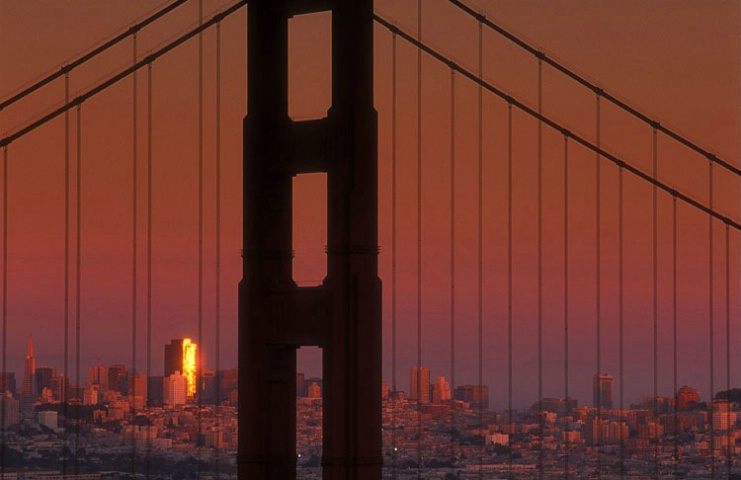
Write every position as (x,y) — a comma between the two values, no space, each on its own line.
(343,314)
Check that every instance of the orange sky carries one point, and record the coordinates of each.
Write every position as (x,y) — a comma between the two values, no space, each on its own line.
(678,62)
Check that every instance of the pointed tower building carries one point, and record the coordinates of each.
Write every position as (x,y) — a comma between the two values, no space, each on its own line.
(29,374)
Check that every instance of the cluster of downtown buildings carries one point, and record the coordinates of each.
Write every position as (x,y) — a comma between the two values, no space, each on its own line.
(431,426)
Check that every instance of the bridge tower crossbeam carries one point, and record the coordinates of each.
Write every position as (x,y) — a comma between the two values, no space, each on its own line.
(343,314)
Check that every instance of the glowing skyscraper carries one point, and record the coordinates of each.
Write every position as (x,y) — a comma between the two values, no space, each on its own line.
(181,356)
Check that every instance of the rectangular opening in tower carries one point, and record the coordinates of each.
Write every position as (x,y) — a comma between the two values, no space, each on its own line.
(309,65)
(309,398)
(309,229)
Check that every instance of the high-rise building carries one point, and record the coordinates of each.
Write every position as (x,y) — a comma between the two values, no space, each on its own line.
(7,383)
(440,391)
(98,375)
(419,384)
(138,390)
(181,356)
(154,392)
(602,391)
(175,389)
(118,379)
(29,372)
(476,395)
(687,398)
(173,357)
(314,390)
(42,378)
(60,387)
(9,410)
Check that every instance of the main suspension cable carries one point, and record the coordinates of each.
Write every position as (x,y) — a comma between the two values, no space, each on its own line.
(594,88)
(22,131)
(66,69)
(556,126)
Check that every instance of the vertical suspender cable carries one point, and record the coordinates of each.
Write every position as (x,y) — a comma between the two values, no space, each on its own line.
(480,244)
(134,258)
(655,260)
(199,373)
(419,240)
(621,338)
(541,419)
(510,428)
(78,280)
(199,352)
(711,320)
(566,288)
(675,333)
(65,411)
(217,293)
(452,251)
(149,245)
(394,385)
(598,277)
(729,459)
(6,379)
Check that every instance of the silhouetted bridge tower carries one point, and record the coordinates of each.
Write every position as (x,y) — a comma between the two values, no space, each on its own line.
(343,315)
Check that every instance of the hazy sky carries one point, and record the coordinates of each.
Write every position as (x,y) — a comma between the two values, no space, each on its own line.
(677,61)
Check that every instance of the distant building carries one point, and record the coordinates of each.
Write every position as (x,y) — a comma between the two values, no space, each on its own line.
(181,356)
(49,419)
(173,357)
(440,391)
(175,389)
(7,383)
(314,390)
(602,391)
(92,394)
(476,395)
(118,378)
(98,375)
(687,398)
(138,390)
(154,392)
(419,384)
(60,387)
(557,405)
(9,410)
(43,378)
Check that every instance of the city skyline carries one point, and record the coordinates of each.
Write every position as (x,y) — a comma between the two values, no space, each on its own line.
(684,395)
(707,111)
